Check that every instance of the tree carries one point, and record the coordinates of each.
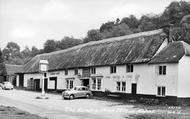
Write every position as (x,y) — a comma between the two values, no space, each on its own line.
(120,30)
(26,52)
(131,21)
(67,42)
(34,51)
(1,56)
(49,46)
(185,28)
(175,11)
(146,24)
(107,26)
(94,35)
(11,53)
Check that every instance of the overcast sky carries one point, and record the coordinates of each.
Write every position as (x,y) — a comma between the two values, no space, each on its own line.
(32,22)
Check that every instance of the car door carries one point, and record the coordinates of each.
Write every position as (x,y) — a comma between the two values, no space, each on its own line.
(84,92)
(80,92)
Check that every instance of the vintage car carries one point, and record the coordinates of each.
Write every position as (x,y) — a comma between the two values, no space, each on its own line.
(7,85)
(77,92)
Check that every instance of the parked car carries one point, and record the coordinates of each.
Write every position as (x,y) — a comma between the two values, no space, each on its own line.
(1,85)
(7,85)
(76,92)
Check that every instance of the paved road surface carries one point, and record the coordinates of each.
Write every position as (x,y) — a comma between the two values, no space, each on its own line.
(56,108)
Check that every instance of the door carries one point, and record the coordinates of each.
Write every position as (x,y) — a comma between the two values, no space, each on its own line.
(45,84)
(55,80)
(134,88)
(37,84)
(21,80)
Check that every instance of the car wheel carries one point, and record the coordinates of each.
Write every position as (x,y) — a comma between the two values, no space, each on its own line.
(87,95)
(71,97)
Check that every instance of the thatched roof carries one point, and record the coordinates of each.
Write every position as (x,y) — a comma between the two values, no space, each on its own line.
(134,48)
(172,53)
(11,69)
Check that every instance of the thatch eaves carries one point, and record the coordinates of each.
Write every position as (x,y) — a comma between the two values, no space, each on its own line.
(135,48)
(12,69)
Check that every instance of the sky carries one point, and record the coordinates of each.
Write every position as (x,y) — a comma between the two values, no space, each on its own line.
(32,22)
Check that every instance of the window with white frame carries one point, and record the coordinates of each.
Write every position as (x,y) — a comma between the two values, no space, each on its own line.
(162,70)
(161,91)
(96,83)
(129,68)
(93,70)
(121,86)
(112,69)
(69,83)
(118,86)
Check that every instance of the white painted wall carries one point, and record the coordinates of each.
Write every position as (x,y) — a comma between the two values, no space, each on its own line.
(144,75)
(184,77)
(169,80)
(147,80)
(34,76)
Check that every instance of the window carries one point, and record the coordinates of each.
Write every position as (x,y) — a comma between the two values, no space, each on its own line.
(76,71)
(118,86)
(66,72)
(113,69)
(129,68)
(162,70)
(93,70)
(161,91)
(99,83)
(121,86)
(96,83)
(69,83)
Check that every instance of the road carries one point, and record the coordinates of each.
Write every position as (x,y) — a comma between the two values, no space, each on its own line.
(57,108)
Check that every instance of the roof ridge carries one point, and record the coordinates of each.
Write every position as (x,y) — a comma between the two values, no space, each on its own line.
(130,36)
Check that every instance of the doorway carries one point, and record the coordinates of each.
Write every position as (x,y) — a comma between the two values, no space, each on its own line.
(85,82)
(36,84)
(134,88)
(45,84)
(55,80)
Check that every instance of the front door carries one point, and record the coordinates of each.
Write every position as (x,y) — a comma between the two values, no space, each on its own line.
(134,88)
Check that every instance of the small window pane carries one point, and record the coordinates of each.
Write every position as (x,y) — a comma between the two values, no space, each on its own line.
(159,91)
(123,86)
(163,91)
(118,86)
(99,84)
